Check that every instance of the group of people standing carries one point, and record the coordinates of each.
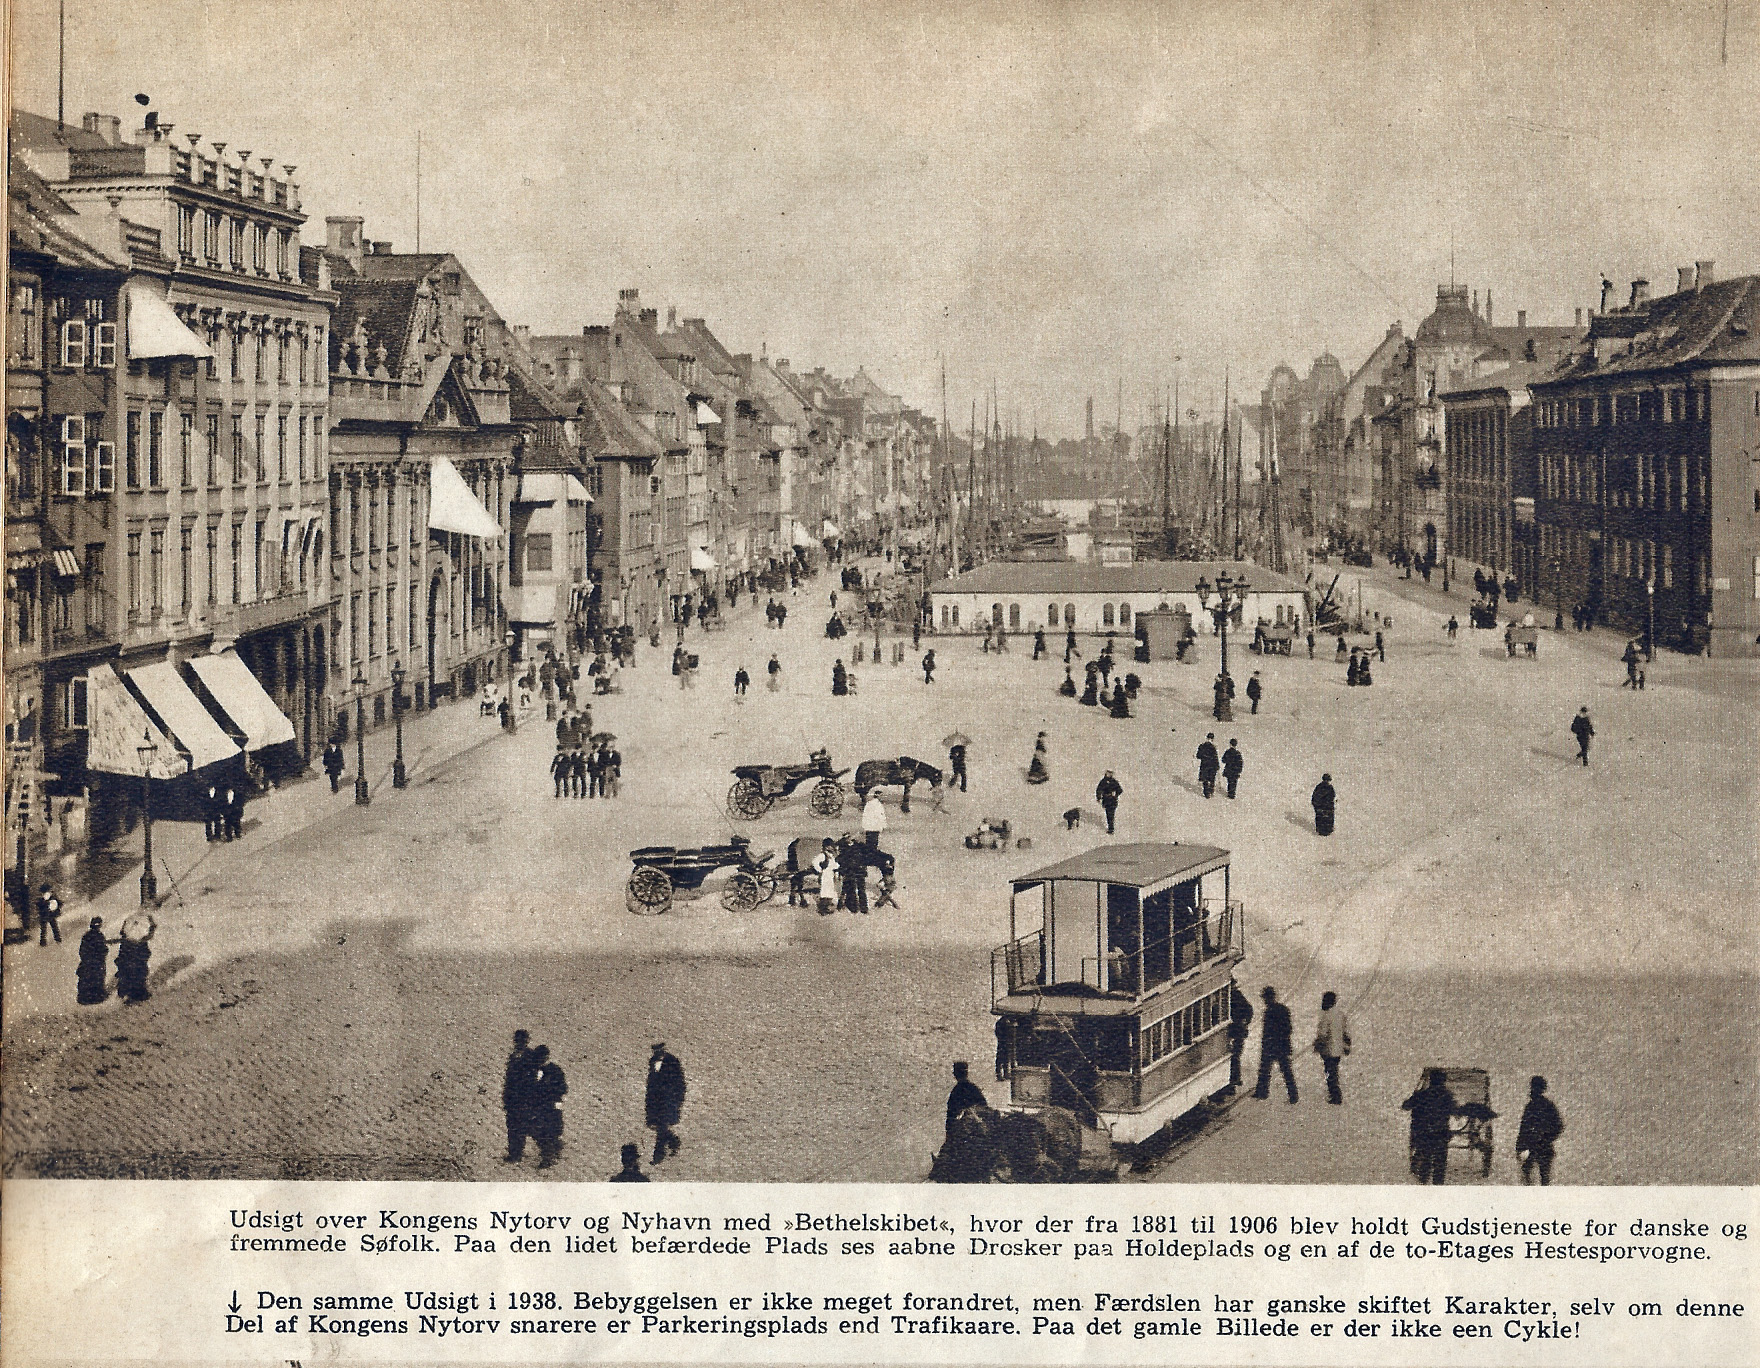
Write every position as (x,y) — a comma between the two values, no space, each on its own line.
(580,773)
(134,953)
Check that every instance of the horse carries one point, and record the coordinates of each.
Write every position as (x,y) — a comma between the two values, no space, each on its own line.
(804,850)
(905,771)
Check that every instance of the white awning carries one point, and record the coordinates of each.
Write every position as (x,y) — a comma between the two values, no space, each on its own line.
(155,331)
(802,537)
(191,726)
(705,414)
(577,492)
(243,700)
(116,725)
(830,529)
(452,507)
(539,486)
(701,559)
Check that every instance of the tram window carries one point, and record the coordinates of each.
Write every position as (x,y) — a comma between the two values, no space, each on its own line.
(1051,615)
(1106,615)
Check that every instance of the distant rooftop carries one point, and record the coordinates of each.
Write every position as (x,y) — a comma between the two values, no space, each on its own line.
(1085,577)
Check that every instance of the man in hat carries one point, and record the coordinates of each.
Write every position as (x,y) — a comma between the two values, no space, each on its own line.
(333,763)
(631,1172)
(1208,763)
(548,1087)
(1107,793)
(1584,730)
(1255,690)
(94,965)
(48,915)
(664,1103)
(1275,1030)
(963,1094)
(516,1096)
(1325,801)
(1541,1126)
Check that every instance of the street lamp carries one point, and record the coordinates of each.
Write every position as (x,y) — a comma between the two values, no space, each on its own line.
(1650,619)
(1230,593)
(399,776)
(148,751)
(512,708)
(362,796)
(1558,595)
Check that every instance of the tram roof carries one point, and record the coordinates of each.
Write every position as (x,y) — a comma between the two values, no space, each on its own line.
(1139,865)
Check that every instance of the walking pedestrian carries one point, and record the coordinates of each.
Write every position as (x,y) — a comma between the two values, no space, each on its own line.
(1255,691)
(929,666)
(1208,763)
(741,681)
(1541,1126)
(962,1095)
(48,915)
(956,762)
(1380,647)
(1069,646)
(1107,793)
(1339,654)
(333,763)
(1332,1042)
(774,672)
(1275,1031)
(917,634)
(873,819)
(1454,628)
(232,813)
(1038,769)
(664,1104)
(1584,730)
(516,1096)
(1310,645)
(1430,1106)
(579,772)
(1354,673)
(1223,690)
(1039,643)
(1232,764)
(559,765)
(213,823)
(631,1172)
(1631,661)
(1325,802)
(93,966)
(839,680)
(134,951)
(1240,1022)
(548,1087)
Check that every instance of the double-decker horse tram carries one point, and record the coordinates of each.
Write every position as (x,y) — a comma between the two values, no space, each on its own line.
(1115,986)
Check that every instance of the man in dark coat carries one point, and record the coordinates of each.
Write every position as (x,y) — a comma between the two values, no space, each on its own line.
(929,666)
(213,820)
(1107,793)
(741,680)
(1325,801)
(516,1096)
(1430,1106)
(48,915)
(1584,730)
(1232,764)
(1039,644)
(852,874)
(1380,647)
(1240,1022)
(1208,763)
(94,965)
(548,1087)
(1541,1126)
(559,770)
(1069,646)
(963,1094)
(631,1172)
(665,1100)
(1223,690)
(956,763)
(1275,1031)
(1255,691)
(1004,1046)
(333,763)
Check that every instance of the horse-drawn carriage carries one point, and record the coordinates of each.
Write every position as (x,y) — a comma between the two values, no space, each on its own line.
(1524,635)
(659,870)
(904,771)
(1275,638)
(756,788)
(1050,1145)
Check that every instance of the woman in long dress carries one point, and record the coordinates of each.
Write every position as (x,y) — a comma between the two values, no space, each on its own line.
(133,954)
(1038,772)
(94,965)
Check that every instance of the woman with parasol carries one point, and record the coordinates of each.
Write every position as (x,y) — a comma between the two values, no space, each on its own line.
(133,953)
(1039,772)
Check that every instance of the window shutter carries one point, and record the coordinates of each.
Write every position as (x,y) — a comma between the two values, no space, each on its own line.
(74,712)
(104,345)
(73,454)
(104,469)
(73,342)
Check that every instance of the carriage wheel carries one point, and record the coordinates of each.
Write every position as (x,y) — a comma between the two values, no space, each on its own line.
(742,893)
(746,800)
(649,892)
(766,880)
(827,799)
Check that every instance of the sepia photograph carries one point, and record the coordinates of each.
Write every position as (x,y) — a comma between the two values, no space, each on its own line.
(897,593)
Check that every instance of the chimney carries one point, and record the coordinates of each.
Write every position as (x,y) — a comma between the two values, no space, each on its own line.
(1521,318)
(1685,281)
(650,317)
(1579,318)
(1488,308)
(343,238)
(629,301)
(381,249)
(1606,294)
(1704,273)
(523,331)
(106,126)
(671,318)
(1475,303)
(1640,293)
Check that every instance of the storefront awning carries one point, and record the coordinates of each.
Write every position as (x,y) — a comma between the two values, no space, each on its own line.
(705,414)
(830,530)
(701,559)
(452,507)
(802,537)
(155,331)
(577,492)
(65,562)
(117,725)
(190,725)
(243,700)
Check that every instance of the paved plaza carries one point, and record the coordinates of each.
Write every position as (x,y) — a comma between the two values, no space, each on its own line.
(334,995)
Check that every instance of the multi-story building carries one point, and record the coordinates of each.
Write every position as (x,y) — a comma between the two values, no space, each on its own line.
(422,476)
(1647,446)
(206,455)
(1492,481)
(550,583)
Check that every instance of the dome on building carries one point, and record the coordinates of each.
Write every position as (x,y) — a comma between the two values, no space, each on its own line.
(1453,323)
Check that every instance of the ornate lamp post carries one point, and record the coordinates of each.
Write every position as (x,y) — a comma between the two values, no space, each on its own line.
(512,701)
(361,794)
(1650,619)
(1557,595)
(148,751)
(1229,593)
(399,776)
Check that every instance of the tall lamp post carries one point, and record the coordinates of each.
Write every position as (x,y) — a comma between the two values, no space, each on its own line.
(148,751)
(512,701)
(1557,595)
(1650,619)
(399,776)
(362,796)
(1229,593)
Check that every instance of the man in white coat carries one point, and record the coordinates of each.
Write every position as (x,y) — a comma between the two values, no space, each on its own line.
(1332,1042)
(873,819)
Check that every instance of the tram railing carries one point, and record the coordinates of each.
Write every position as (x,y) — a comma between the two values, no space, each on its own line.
(1019,966)
(1216,933)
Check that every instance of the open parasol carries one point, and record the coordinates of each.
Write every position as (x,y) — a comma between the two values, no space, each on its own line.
(957,738)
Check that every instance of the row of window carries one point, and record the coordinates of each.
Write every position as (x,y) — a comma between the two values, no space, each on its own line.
(86,343)
(293,450)
(1161,1038)
(279,564)
(1675,404)
(1639,480)
(240,243)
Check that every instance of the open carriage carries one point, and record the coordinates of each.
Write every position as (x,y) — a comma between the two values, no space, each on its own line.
(1275,638)
(661,870)
(757,788)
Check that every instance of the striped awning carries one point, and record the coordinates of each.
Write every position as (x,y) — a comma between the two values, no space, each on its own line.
(65,563)
(190,725)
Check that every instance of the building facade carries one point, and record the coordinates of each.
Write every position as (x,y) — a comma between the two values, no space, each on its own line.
(1492,480)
